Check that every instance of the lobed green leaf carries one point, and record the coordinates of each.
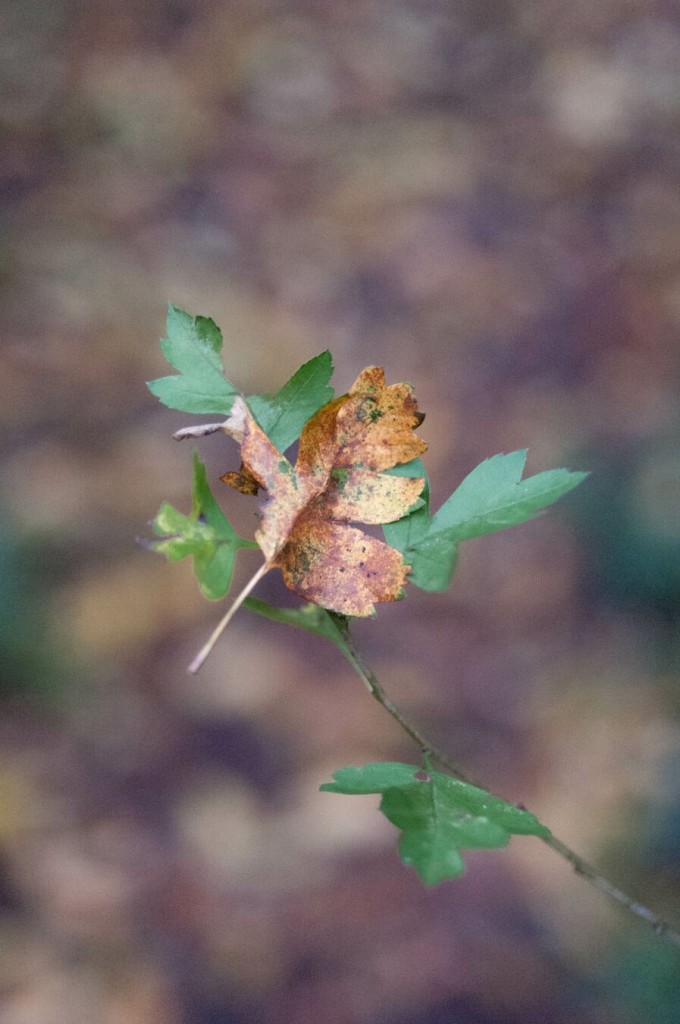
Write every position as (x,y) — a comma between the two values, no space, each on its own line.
(312,618)
(492,497)
(283,415)
(433,559)
(407,531)
(206,534)
(437,815)
(193,346)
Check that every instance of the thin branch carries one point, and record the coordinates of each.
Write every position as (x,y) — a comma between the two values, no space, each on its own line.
(587,871)
(222,625)
(378,694)
(580,866)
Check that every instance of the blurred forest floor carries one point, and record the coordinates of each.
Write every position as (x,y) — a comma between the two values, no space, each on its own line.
(484,197)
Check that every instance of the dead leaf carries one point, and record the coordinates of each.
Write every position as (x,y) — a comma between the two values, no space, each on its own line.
(338,478)
(241,481)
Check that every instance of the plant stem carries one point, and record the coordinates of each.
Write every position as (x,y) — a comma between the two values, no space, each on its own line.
(222,625)
(378,694)
(580,866)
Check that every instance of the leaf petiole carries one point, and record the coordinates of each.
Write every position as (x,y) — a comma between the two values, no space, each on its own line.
(202,430)
(224,622)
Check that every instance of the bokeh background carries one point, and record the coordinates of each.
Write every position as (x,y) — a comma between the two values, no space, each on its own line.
(484,197)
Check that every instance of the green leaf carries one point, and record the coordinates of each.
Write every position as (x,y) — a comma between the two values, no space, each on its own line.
(194,347)
(206,534)
(283,415)
(432,559)
(492,497)
(411,528)
(413,468)
(437,815)
(370,778)
(310,617)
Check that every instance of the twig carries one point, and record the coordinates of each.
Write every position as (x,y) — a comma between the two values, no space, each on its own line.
(587,871)
(580,866)
(222,625)
(378,694)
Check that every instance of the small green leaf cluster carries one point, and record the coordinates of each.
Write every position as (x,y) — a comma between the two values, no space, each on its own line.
(438,816)
(206,534)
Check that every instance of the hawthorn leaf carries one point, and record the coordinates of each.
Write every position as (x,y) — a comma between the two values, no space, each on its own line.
(412,527)
(309,617)
(193,346)
(492,497)
(206,534)
(283,415)
(312,619)
(432,558)
(413,468)
(438,816)
(376,777)
(338,478)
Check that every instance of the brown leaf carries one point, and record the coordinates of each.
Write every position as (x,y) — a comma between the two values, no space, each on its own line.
(241,481)
(338,479)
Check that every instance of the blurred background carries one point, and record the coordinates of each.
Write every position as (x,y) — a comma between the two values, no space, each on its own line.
(482,196)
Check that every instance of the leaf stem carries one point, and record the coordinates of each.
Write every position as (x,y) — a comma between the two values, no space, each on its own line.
(587,871)
(202,430)
(378,694)
(580,866)
(224,622)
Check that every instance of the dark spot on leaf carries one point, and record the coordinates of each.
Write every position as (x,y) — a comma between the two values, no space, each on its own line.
(340,477)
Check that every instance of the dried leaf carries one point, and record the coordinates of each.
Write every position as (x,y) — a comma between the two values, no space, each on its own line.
(241,481)
(338,478)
